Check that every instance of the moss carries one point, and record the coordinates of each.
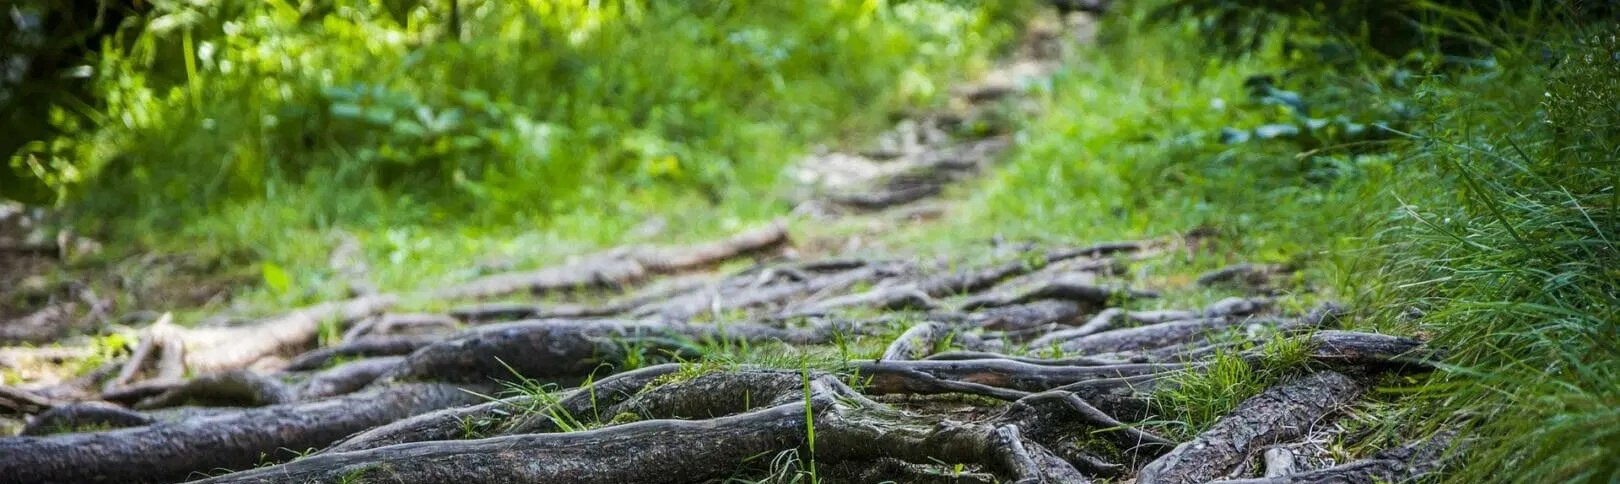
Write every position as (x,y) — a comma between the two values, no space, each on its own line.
(624,418)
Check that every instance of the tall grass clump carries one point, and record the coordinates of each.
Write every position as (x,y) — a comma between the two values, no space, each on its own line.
(1516,266)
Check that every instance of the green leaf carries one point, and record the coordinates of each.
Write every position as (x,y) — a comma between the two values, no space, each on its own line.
(347,110)
(468,142)
(380,115)
(408,128)
(275,277)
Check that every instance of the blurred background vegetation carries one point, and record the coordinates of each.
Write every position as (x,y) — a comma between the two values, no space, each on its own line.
(1448,167)
(389,112)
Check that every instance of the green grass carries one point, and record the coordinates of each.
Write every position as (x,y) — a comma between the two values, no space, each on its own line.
(1492,211)
(1518,274)
(247,132)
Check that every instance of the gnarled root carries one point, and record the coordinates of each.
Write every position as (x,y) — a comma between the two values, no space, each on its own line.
(763,413)
(1280,413)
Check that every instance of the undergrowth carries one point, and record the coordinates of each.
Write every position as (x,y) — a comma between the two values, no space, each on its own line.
(250,130)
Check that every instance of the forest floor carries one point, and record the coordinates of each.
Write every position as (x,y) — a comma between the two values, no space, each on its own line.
(822,348)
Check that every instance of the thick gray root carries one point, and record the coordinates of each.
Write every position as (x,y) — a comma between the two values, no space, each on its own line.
(917,342)
(1281,413)
(1407,463)
(347,378)
(1179,332)
(75,417)
(518,414)
(895,376)
(167,452)
(362,348)
(847,427)
(232,388)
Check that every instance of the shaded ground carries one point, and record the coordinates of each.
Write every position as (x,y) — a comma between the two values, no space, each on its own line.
(768,355)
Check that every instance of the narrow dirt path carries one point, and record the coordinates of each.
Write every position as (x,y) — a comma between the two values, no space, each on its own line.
(689,364)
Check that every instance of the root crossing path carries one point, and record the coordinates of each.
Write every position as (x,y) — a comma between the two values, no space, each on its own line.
(648,365)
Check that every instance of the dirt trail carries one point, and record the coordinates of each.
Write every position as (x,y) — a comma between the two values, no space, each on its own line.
(669,364)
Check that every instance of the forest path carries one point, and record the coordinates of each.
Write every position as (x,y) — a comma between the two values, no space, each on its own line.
(767,355)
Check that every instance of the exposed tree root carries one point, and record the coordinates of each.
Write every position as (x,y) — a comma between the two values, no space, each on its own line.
(917,342)
(227,348)
(1177,332)
(998,378)
(1065,290)
(1280,413)
(233,388)
(1402,464)
(76,416)
(171,451)
(753,414)
(1031,317)
(395,325)
(14,401)
(1371,351)
(362,348)
(347,378)
(519,414)
(620,267)
(414,397)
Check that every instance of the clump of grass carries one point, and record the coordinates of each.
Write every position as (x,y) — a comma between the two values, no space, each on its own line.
(1519,276)
(1196,400)
(543,398)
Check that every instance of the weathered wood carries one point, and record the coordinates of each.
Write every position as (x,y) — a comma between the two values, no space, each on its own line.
(1278,414)
(1178,332)
(172,451)
(1407,463)
(1089,296)
(347,378)
(917,342)
(226,348)
(513,415)
(847,427)
(363,348)
(998,373)
(231,388)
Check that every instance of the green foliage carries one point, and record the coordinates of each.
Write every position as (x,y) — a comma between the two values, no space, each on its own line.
(1152,163)
(1516,269)
(275,277)
(544,398)
(1197,399)
(809,419)
(339,110)
(1503,232)
(1391,28)
(47,45)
